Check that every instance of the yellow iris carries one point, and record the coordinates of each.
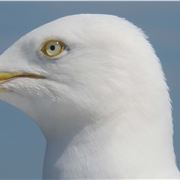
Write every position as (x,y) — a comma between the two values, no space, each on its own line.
(53,48)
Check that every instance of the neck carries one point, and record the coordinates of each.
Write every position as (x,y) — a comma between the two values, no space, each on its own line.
(133,140)
(113,149)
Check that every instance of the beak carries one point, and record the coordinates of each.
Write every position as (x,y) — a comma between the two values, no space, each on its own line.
(6,76)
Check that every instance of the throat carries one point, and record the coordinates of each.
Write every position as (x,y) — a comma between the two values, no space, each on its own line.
(110,150)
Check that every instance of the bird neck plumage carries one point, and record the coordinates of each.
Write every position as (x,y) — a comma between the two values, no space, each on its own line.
(113,148)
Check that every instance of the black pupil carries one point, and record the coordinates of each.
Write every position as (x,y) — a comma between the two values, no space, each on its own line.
(52,47)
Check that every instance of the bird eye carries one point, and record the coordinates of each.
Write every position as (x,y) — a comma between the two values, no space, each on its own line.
(53,48)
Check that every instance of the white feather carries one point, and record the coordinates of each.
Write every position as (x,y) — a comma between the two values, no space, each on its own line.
(104,108)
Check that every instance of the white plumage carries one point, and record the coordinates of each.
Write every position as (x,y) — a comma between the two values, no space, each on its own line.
(103,106)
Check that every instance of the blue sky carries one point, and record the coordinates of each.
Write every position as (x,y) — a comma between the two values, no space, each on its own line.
(21,142)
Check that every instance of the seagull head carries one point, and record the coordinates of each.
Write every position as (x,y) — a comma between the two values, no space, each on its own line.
(81,67)
(95,86)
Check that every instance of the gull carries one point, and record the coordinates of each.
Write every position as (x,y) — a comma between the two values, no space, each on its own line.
(95,87)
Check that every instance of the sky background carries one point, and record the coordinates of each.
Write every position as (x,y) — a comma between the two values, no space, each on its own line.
(21,143)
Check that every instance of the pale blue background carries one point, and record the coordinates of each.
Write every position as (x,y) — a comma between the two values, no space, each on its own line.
(21,143)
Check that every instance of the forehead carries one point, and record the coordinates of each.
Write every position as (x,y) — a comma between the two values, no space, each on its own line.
(83,25)
(86,29)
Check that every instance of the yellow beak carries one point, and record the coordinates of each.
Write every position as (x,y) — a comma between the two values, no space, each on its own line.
(6,76)
(11,75)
